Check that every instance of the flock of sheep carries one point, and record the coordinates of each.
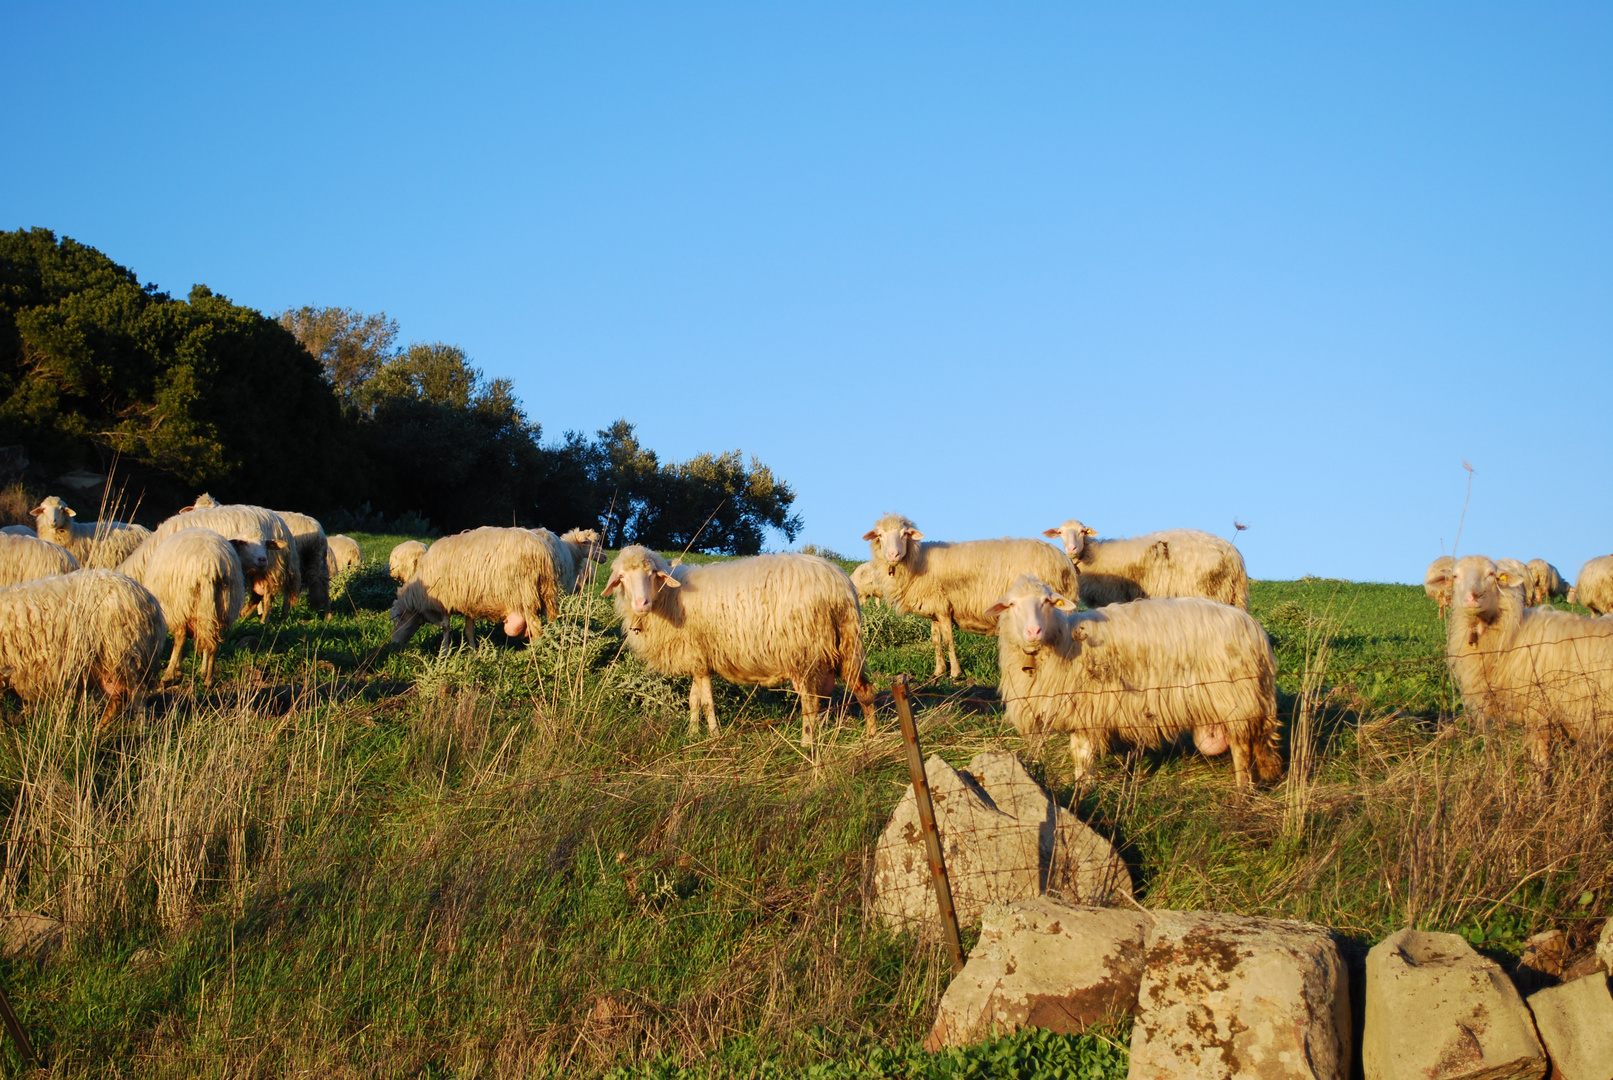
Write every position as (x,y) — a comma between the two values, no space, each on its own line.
(1164,647)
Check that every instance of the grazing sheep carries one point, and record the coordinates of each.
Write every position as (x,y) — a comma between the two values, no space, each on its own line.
(504,574)
(587,552)
(199,578)
(283,576)
(17,530)
(1544,582)
(1543,668)
(342,554)
(1594,589)
(61,633)
(313,555)
(405,560)
(956,582)
(100,545)
(762,620)
(23,558)
(1175,562)
(865,578)
(1436,581)
(1144,672)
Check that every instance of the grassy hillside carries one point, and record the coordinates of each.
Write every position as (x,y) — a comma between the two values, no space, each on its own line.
(507,862)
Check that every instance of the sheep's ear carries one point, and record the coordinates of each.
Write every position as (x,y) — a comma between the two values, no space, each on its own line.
(187,509)
(668,580)
(1503,577)
(274,545)
(913,534)
(70,511)
(613,582)
(36,511)
(871,534)
(1086,531)
(999,607)
(1062,602)
(1052,532)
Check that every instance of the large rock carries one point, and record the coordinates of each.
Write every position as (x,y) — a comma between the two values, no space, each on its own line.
(1043,964)
(25,933)
(993,855)
(1576,1024)
(1226,996)
(1437,1010)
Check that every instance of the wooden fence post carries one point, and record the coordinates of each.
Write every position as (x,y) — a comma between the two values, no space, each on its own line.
(932,837)
(14,1026)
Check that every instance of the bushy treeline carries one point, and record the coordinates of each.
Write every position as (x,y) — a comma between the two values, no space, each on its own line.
(321,409)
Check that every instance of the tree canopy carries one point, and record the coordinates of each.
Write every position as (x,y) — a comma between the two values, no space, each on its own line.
(319,408)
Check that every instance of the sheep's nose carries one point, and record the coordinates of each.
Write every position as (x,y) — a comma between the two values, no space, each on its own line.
(640,606)
(1033,631)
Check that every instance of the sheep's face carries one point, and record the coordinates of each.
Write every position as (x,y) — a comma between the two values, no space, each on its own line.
(1028,616)
(892,538)
(640,578)
(1438,580)
(52,515)
(1073,535)
(1476,587)
(253,555)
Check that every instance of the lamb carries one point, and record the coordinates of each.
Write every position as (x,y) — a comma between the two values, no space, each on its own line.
(956,582)
(505,574)
(17,530)
(760,620)
(1594,589)
(866,580)
(1175,562)
(23,558)
(94,627)
(102,544)
(1436,581)
(405,560)
(1543,668)
(199,578)
(283,575)
(343,552)
(313,554)
(1544,582)
(1145,671)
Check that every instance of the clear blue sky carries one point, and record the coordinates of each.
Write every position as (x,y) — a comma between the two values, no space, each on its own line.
(992,266)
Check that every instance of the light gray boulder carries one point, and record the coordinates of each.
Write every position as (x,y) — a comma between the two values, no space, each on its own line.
(1046,965)
(1437,1010)
(1575,1021)
(1225,996)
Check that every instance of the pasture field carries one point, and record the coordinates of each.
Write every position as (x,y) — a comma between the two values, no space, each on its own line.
(510,862)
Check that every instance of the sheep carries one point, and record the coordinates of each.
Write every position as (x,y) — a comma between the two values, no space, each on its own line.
(956,582)
(17,530)
(102,544)
(203,502)
(586,553)
(283,575)
(760,620)
(1175,562)
(1543,668)
(23,558)
(1594,589)
(1436,581)
(199,578)
(866,580)
(343,552)
(61,633)
(1145,671)
(313,556)
(505,574)
(405,560)
(1544,582)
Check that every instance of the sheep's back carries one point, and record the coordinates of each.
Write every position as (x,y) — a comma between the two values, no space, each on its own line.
(23,558)
(57,631)
(969,576)
(196,576)
(487,572)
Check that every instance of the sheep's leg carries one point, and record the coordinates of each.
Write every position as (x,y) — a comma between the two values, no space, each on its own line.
(447,633)
(207,668)
(865,697)
(172,671)
(470,632)
(1084,750)
(1539,738)
(808,691)
(1240,765)
(935,640)
(952,651)
(710,702)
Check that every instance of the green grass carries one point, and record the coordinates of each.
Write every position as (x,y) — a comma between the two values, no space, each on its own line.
(508,861)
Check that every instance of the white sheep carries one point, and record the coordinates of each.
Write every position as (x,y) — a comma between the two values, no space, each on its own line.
(203,501)
(1436,581)
(865,578)
(587,552)
(283,577)
(504,574)
(956,582)
(23,558)
(1156,565)
(1594,589)
(199,578)
(762,620)
(1146,672)
(1546,669)
(313,553)
(101,544)
(17,530)
(94,627)
(343,553)
(1544,582)
(405,560)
